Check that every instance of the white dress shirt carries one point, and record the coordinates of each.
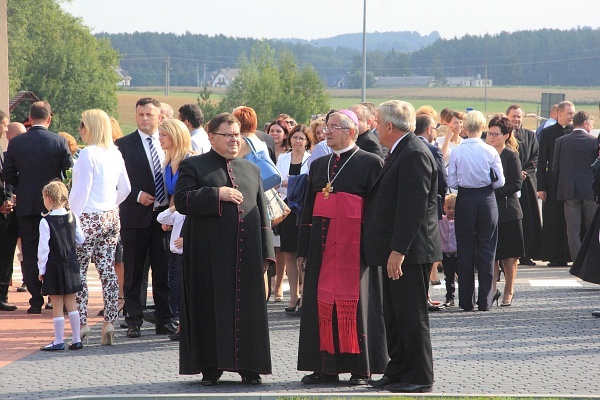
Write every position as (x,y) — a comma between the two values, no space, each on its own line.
(100,181)
(44,243)
(161,157)
(470,165)
(174,218)
(200,142)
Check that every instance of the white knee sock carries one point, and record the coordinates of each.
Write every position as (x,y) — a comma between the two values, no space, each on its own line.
(75,327)
(59,330)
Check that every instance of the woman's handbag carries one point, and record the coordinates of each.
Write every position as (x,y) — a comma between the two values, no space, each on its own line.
(268,171)
(276,207)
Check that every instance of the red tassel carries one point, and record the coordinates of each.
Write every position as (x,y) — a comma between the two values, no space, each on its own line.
(347,329)
(326,326)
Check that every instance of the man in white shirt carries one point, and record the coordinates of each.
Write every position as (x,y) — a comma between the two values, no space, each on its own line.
(191,115)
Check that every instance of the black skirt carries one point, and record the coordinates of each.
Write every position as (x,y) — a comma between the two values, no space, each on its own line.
(510,240)
(288,232)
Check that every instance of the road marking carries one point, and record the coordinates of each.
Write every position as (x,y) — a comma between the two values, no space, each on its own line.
(554,283)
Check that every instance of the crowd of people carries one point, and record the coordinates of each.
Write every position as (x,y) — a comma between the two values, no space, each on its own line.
(389,197)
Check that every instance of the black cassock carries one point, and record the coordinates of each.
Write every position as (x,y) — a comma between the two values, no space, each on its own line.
(223,312)
(356,177)
(532,223)
(554,230)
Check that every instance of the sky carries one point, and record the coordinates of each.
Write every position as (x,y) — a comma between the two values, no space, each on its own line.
(314,19)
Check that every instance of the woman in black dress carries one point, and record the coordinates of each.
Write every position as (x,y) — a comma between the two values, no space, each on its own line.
(510,230)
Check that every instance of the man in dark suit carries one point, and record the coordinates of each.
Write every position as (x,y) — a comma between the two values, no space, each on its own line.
(140,231)
(554,233)
(573,156)
(366,140)
(32,160)
(401,234)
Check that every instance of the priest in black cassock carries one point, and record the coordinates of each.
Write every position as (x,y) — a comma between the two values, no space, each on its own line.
(342,328)
(554,230)
(227,247)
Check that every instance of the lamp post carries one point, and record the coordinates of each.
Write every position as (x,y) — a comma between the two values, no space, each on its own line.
(363,91)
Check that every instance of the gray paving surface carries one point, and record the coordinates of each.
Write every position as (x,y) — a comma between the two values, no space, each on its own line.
(547,343)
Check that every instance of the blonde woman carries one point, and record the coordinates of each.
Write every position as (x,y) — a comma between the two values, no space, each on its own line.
(100,184)
(175,140)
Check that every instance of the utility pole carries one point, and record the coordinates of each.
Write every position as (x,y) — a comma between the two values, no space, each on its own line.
(4,63)
(197,75)
(204,79)
(167,75)
(485,88)
(363,91)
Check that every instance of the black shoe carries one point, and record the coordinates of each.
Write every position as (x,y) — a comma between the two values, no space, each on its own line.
(449,303)
(527,261)
(404,387)
(356,379)
(433,307)
(76,346)
(133,331)
(149,317)
(166,329)
(211,377)
(251,379)
(596,313)
(317,377)
(4,306)
(48,306)
(208,381)
(34,310)
(22,288)
(53,347)
(557,264)
(380,383)
(174,337)
(123,325)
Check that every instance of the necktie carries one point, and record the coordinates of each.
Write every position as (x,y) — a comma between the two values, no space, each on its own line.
(387,156)
(159,181)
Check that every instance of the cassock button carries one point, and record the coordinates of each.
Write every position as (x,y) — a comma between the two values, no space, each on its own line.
(235,186)
(233,177)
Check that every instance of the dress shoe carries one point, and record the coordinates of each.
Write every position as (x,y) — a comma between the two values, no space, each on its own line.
(108,334)
(48,306)
(449,303)
(527,261)
(380,383)
(596,313)
(34,310)
(53,347)
(22,288)
(123,325)
(317,377)
(356,379)
(405,387)
(211,377)
(251,379)
(174,337)
(209,382)
(76,346)
(557,264)
(133,331)
(4,306)
(435,283)
(166,329)
(149,317)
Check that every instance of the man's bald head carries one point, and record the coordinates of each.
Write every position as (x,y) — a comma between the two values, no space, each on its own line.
(15,129)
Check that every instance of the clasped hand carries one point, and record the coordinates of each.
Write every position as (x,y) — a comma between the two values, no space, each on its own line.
(230,194)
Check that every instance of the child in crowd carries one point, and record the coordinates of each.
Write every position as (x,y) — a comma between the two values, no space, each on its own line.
(57,262)
(450,258)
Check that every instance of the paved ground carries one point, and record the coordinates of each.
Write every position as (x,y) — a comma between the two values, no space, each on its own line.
(547,343)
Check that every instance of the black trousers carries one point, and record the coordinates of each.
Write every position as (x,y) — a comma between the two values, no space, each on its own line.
(407,325)
(9,233)
(29,228)
(476,240)
(450,264)
(136,244)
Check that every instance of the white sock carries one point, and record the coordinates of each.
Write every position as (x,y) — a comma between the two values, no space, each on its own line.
(75,327)
(59,330)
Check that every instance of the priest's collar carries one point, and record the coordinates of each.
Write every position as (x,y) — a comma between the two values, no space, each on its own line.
(340,152)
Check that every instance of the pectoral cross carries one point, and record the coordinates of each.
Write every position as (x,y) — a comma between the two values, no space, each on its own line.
(326,190)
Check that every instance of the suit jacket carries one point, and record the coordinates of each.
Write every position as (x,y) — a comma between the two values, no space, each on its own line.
(141,176)
(369,142)
(401,213)
(441,169)
(32,160)
(545,178)
(573,156)
(529,150)
(509,207)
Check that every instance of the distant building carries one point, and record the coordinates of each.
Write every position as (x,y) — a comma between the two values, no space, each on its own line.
(404,81)
(223,77)
(467,81)
(336,81)
(124,78)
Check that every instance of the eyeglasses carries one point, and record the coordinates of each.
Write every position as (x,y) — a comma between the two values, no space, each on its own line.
(228,136)
(332,128)
(495,134)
